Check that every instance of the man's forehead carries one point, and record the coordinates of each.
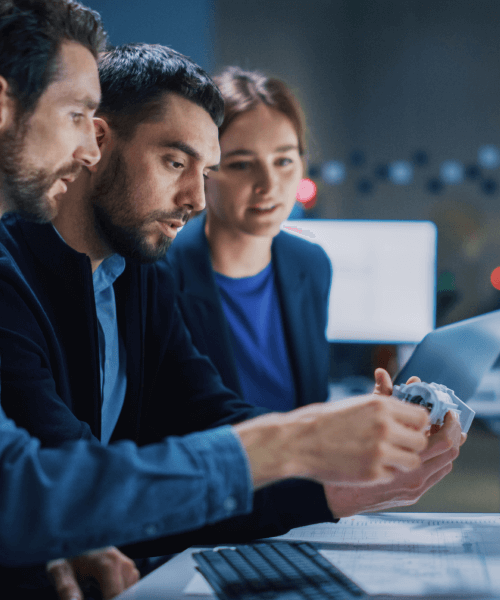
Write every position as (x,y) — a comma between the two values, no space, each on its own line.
(176,109)
(77,78)
(183,125)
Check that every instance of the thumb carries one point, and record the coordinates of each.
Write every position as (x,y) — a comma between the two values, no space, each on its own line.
(383,383)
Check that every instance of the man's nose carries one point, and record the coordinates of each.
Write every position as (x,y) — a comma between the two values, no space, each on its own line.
(88,153)
(193,196)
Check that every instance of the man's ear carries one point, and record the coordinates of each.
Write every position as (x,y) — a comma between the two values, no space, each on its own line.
(7,106)
(104,137)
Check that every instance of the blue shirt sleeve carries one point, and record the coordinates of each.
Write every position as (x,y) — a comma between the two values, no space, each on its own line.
(64,501)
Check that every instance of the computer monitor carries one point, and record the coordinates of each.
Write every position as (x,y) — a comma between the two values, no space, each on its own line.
(384,277)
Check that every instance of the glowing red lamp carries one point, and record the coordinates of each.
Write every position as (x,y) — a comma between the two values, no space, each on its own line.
(306,193)
(495,278)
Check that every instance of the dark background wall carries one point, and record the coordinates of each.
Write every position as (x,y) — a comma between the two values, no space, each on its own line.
(186,26)
(380,78)
(389,78)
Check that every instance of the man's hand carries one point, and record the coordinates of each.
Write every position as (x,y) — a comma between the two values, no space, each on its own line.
(363,440)
(406,488)
(108,567)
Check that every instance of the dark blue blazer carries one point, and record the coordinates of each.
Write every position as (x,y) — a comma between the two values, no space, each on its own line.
(303,276)
(50,386)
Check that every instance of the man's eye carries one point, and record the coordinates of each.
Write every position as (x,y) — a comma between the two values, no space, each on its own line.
(77,117)
(174,163)
(283,162)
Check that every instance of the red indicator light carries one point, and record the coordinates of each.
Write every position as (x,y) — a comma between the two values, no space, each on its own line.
(306,190)
(495,278)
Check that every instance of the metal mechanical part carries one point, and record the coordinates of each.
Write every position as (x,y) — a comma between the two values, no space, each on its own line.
(438,399)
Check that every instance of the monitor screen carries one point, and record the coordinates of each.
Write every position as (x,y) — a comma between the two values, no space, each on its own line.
(384,277)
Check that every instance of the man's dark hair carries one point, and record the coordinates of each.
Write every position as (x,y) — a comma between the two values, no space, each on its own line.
(31,34)
(135,79)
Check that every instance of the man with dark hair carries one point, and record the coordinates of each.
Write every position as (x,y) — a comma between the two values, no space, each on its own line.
(49,91)
(141,84)
(93,346)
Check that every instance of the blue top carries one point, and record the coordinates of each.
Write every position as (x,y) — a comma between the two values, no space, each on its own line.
(252,309)
(112,356)
(302,275)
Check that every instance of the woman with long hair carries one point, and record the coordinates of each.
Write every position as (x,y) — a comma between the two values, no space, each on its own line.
(255,298)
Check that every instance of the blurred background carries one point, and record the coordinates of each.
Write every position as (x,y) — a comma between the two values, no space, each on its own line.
(402,99)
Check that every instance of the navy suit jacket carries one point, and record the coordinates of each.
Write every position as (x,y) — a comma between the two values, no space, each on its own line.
(303,276)
(50,386)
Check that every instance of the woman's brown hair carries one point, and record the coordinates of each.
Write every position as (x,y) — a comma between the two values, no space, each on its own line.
(244,90)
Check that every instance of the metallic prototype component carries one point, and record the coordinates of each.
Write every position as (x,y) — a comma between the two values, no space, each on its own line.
(438,399)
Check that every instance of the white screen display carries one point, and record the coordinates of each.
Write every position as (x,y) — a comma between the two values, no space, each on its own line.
(384,277)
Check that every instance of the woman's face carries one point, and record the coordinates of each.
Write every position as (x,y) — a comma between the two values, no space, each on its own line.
(255,188)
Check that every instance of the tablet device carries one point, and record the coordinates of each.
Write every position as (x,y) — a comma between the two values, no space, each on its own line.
(457,355)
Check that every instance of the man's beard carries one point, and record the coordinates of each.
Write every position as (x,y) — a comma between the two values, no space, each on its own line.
(116,220)
(25,188)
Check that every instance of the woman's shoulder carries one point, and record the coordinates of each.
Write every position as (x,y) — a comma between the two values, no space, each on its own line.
(189,242)
(192,234)
(299,249)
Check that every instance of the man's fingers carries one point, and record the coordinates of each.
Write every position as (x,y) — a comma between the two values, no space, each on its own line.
(410,415)
(413,379)
(110,579)
(131,575)
(452,428)
(116,571)
(435,478)
(407,438)
(64,580)
(449,436)
(111,569)
(401,458)
(437,462)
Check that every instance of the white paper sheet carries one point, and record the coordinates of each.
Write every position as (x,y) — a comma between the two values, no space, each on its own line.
(407,554)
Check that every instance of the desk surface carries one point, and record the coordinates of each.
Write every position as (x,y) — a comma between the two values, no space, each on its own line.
(391,555)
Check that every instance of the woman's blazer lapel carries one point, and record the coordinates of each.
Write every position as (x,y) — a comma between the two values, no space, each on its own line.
(199,300)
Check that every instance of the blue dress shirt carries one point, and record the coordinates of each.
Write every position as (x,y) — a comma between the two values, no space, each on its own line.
(112,356)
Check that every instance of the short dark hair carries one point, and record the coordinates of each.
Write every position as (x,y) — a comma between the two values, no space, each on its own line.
(136,78)
(244,90)
(31,34)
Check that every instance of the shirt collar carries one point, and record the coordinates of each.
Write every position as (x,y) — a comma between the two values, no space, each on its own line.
(107,272)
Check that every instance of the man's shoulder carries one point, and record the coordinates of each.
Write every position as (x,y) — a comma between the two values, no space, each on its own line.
(11,238)
(11,249)
(189,256)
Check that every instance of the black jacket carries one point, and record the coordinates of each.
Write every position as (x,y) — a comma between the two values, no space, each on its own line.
(50,370)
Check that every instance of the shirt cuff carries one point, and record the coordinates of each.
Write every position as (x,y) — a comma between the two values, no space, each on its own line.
(230,488)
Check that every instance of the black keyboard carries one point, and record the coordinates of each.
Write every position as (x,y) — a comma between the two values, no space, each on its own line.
(274,571)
